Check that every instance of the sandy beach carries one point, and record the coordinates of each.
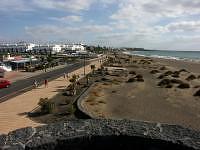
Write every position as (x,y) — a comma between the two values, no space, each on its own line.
(13,113)
(157,90)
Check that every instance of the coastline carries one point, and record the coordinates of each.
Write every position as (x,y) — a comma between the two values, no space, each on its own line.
(146,101)
(168,56)
(190,64)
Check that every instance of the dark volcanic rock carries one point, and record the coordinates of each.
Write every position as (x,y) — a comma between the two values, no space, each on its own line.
(197,93)
(106,134)
(184,86)
(191,77)
(2,140)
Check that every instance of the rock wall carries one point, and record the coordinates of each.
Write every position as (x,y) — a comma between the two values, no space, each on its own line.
(102,134)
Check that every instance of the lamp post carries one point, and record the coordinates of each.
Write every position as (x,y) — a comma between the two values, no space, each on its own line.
(84,65)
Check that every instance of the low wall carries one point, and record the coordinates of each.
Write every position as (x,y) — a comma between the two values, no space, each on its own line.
(102,134)
(81,98)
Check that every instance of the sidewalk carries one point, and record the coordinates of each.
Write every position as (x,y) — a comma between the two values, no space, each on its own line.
(13,112)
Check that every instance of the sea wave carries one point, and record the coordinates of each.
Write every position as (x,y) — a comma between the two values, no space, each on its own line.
(164,57)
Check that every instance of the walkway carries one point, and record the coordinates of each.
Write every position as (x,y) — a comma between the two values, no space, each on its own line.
(13,112)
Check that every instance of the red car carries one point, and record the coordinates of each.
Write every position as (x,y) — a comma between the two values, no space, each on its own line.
(4,83)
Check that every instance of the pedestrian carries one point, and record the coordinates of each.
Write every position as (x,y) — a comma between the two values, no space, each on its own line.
(46,83)
(35,84)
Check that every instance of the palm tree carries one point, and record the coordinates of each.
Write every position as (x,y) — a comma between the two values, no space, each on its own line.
(87,79)
(93,68)
(73,81)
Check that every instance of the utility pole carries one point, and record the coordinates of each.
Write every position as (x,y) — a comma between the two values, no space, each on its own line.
(84,65)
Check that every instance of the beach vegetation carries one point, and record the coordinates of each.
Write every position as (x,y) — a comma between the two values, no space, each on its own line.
(163,68)
(197,93)
(46,105)
(184,86)
(132,72)
(73,85)
(131,80)
(154,71)
(93,68)
(71,109)
(176,81)
(191,77)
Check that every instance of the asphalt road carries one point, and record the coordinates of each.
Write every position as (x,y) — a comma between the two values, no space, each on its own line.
(22,86)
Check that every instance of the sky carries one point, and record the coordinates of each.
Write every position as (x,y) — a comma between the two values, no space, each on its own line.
(151,24)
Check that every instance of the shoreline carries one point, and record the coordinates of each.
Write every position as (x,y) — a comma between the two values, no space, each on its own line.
(146,100)
(187,63)
(165,57)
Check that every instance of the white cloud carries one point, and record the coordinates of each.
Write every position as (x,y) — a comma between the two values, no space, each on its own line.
(49,31)
(148,23)
(151,11)
(66,5)
(67,19)
(60,5)
(182,26)
(26,5)
(14,5)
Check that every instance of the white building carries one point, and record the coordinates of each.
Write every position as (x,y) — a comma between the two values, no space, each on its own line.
(47,49)
(75,47)
(16,48)
(44,48)
(56,49)
(30,46)
(4,67)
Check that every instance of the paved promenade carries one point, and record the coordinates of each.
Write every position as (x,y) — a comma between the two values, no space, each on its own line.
(13,112)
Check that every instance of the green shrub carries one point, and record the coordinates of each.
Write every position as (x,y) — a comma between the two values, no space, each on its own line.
(46,105)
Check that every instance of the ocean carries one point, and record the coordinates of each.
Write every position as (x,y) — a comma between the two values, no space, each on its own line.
(179,55)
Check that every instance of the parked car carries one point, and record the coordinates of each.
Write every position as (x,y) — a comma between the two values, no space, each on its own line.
(4,83)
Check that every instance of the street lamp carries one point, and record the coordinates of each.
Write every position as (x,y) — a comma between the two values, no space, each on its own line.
(84,65)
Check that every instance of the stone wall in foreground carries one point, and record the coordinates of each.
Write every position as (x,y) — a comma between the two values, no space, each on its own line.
(102,134)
